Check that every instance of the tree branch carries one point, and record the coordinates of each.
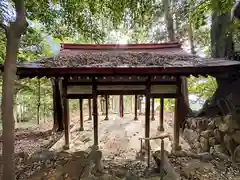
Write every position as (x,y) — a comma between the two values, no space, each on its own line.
(21,22)
(4,27)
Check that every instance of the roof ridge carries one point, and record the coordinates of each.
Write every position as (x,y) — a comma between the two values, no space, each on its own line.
(73,46)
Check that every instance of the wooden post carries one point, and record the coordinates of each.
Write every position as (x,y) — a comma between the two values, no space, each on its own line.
(147,118)
(66,114)
(152,110)
(177,116)
(89,109)
(57,104)
(136,107)
(162,161)
(112,104)
(81,113)
(121,106)
(102,105)
(140,107)
(161,115)
(95,112)
(106,106)
(54,100)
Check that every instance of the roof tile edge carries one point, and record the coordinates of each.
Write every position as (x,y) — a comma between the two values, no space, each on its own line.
(72,46)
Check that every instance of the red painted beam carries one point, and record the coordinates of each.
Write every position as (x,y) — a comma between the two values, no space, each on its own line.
(174,71)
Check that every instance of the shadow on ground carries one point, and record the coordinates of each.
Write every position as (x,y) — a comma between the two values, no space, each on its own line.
(86,165)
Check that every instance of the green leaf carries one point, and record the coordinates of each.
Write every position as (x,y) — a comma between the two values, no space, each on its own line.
(54,2)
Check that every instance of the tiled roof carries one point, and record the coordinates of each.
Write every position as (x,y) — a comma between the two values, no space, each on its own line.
(141,55)
(132,59)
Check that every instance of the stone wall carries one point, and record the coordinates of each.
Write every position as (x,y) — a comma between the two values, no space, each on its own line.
(214,135)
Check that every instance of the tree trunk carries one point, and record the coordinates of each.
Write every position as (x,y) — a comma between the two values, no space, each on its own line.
(184,79)
(7,105)
(222,47)
(21,110)
(177,23)
(38,103)
(17,108)
(190,38)
(13,34)
(185,91)
(221,36)
(171,37)
(169,19)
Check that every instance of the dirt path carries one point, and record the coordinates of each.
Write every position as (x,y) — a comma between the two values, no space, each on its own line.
(118,142)
(116,135)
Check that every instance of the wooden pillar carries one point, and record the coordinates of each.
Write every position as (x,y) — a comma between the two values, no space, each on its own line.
(81,113)
(153,118)
(102,105)
(106,106)
(90,109)
(95,112)
(57,105)
(121,106)
(161,115)
(147,118)
(112,104)
(55,109)
(66,114)
(140,107)
(135,108)
(177,118)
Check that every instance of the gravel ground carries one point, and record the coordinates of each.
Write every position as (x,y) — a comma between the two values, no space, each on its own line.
(119,144)
(32,139)
(196,169)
